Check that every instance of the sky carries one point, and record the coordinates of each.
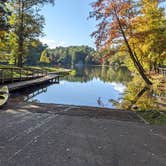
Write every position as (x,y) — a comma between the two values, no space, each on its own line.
(67,23)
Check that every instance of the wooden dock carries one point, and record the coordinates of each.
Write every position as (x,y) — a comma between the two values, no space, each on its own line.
(14,74)
(54,78)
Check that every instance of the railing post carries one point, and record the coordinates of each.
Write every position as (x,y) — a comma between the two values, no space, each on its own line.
(27,74)
(3,77)
(42,72)
(12,74)
(20,74)
(33,73)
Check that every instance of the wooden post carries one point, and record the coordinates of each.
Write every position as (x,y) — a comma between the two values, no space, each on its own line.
(27,73)
(20,74)
(12,74)
(3,77)
(43,72)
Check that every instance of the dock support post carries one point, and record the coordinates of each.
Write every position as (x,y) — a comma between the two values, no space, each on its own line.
(3,77)
(20,74)
(12,75)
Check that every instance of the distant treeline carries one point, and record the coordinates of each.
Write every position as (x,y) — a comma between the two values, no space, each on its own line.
(71,55)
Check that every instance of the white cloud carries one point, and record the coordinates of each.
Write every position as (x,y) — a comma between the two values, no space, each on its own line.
(52,43)
(118,87)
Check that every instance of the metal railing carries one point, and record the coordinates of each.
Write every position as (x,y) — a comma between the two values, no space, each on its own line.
(12,74)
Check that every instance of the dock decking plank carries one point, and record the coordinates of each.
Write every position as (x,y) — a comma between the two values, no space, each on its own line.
(22,84)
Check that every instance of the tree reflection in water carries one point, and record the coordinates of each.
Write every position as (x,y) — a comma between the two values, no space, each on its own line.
(105,73)
(132,90)
(136,96)
(139,96)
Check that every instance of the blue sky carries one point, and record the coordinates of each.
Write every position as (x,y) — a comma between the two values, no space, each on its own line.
(67,24)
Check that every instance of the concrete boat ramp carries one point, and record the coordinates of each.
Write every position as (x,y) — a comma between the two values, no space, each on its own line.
(61,135)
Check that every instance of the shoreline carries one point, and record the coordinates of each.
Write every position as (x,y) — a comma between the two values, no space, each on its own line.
(74,110)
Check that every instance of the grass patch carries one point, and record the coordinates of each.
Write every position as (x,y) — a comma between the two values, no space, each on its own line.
(153,116)
(49,69)
(28,70)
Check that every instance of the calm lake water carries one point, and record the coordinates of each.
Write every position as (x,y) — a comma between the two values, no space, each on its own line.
(90,86)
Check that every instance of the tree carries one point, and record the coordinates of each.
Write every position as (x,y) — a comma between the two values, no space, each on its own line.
(116,24)
(149,38)
(4,24)
(34,52)
(4,13)
(73,55)
(27,23)
(44,57)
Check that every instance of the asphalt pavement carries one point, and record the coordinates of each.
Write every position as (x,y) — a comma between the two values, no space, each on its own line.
(58,135)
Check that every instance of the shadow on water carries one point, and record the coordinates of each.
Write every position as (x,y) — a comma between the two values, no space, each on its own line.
(29,93)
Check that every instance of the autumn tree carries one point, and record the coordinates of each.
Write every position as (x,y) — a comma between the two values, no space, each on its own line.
(116,18)
(44,57)
(150,34)
(27,24)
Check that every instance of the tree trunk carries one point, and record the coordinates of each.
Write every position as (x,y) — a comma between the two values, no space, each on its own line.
(133,56)
(20,35)
(134,101)
(20,53)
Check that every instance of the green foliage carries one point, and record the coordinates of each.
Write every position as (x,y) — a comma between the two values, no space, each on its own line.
(4,13)
(70,55)
(26,25)
(34,53)
(105,73)
(44,57)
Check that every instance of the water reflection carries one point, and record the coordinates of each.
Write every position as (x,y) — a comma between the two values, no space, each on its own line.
(91,86)
(139,96)
(28,94)
(98,86)
(104,73)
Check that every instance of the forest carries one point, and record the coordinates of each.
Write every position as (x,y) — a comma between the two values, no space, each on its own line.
(20,28)
(122,35)
(69,56)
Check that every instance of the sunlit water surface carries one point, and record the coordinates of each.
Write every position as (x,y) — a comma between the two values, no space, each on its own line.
(90,86)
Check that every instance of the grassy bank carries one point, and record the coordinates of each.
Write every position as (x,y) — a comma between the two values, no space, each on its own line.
(8,73)
(55,69)
(49,69)
(153,116)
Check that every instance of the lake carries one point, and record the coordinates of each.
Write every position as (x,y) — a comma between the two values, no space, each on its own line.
(90,86)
